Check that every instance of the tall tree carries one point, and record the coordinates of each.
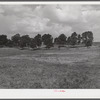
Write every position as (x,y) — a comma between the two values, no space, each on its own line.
(3,39)
(87,38)
(24,41)
(62,39)
(74,38)
(33,43)
(38,40)
(15,39)
(47,40)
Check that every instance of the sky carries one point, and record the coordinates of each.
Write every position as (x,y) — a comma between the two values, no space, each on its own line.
(53,19)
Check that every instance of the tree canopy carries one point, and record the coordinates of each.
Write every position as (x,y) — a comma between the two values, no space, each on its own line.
(85,38)
(47,40)
(38,40)
(3,39)
(62,39)
(73,39)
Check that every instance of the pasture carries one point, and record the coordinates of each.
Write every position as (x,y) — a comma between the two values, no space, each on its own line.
(67,68)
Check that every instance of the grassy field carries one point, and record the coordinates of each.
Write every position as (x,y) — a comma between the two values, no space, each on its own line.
(48,69)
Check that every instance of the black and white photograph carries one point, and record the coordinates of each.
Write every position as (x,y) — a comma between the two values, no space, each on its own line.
(50,46)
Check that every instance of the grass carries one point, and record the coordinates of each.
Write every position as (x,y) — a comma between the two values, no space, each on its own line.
(72,68)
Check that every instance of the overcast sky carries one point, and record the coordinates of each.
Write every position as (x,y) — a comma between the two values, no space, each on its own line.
(52,19)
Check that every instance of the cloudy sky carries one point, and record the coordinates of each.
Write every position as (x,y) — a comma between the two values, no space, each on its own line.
(53,19)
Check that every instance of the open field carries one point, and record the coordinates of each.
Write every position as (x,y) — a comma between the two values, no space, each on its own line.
(65,68)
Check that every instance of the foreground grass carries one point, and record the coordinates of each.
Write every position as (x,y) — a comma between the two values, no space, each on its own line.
(65,68)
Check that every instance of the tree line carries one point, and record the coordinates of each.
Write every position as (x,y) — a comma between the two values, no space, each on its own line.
(86,38)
